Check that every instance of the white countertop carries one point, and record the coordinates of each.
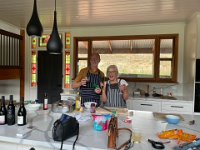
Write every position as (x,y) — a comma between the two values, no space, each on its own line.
(88,137)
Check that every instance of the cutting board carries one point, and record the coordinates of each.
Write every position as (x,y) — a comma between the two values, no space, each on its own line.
(112,110)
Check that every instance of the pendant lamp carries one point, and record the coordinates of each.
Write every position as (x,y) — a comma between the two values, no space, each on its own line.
(34,26)
(54,45)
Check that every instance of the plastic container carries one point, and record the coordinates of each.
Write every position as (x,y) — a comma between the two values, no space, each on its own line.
(172,119)
(101,122)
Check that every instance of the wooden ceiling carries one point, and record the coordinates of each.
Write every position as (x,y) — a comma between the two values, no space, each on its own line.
(79,13)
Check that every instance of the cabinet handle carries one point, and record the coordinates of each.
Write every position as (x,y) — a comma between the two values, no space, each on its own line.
(147,104)
(177,106)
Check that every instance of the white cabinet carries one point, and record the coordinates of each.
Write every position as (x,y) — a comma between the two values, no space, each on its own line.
(161,105)
(183,107)
(146,105)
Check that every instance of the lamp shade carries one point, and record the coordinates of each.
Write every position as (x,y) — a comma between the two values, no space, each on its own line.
(54,45)
(34,26)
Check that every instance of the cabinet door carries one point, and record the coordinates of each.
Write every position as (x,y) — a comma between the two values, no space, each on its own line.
(197,98)
(144,105)
(177,107)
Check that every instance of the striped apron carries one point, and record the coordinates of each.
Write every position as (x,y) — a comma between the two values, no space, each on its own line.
(114,96)
(87,92)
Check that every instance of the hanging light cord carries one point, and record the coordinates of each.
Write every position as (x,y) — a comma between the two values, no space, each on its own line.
(55,5)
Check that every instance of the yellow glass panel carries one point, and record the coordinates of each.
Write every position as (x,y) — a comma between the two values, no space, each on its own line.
(34,78)
(68,40)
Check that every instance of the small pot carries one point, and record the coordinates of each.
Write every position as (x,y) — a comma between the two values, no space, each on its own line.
(63,106)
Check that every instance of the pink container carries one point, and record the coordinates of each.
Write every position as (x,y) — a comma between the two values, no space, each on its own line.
(101,122)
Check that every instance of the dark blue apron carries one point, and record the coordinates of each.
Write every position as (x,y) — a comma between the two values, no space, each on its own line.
(87,92)
(114,96)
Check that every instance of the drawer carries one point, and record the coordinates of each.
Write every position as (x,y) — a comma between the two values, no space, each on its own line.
(184,108)
(144,105)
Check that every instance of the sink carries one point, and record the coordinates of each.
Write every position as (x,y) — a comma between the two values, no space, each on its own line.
(168,97)
(163,96)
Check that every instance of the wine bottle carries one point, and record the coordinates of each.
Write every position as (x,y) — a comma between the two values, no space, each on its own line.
(21,115)
(45,102)
(3,111)
(11,112)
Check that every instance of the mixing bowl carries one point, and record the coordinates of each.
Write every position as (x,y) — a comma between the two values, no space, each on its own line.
(172,119)
(88,104)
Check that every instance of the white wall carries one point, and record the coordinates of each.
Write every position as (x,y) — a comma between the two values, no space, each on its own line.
(191,42)
(9,27)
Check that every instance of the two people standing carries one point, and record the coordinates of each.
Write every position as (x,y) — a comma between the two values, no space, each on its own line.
(90,80)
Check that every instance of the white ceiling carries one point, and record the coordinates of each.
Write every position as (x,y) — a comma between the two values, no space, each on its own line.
(74,13)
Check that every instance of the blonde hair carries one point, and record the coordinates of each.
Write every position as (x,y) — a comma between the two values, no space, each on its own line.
(113,67)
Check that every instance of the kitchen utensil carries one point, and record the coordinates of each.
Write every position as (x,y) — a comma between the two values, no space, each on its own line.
(156,145)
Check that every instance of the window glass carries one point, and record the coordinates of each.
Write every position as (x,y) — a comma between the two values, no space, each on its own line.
(166,48)
(132,57)
(165,69)
(82,64)
(82,49)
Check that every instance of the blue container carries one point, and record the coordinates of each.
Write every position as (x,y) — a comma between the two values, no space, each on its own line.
(172,119)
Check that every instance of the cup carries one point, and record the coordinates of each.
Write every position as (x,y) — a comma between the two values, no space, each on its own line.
(130,114)
(137,136)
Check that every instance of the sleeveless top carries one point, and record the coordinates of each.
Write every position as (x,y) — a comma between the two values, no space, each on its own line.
(114,95)
(88,92)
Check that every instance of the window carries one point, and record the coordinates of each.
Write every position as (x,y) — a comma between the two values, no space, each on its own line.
(144,58)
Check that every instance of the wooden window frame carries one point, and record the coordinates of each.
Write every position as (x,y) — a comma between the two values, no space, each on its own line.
(156,54)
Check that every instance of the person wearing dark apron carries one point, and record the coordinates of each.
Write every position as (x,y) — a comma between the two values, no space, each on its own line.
(90,80)
(115,92)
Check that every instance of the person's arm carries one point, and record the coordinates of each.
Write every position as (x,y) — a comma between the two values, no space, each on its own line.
(80,80)
(125,93)
(124,89)
(104,97)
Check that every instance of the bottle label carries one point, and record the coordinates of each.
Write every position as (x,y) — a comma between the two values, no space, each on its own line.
(20,120)
(10,117)
(45,103)
(78,104)
(2,119)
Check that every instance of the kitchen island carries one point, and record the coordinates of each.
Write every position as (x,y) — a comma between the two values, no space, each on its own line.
(41,139)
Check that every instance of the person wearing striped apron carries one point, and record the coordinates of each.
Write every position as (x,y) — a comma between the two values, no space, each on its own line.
(90,80)
(115,92)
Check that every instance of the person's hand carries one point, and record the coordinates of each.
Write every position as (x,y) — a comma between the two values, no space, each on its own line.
(83,82)
(97,90)
(101,84)
(122,88)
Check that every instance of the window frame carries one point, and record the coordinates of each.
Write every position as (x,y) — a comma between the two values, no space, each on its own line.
(156,53)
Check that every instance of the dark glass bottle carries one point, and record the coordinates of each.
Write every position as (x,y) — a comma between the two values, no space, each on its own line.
(11,112)
(3,111)
(45,102)
(21,115)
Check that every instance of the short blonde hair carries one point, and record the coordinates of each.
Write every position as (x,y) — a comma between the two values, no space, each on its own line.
(113,67)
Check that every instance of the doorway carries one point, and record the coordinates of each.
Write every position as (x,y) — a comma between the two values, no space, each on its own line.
(49,76)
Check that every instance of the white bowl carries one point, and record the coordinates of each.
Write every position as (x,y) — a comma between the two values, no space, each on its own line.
(172,119)
(88,104)
(33,107)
